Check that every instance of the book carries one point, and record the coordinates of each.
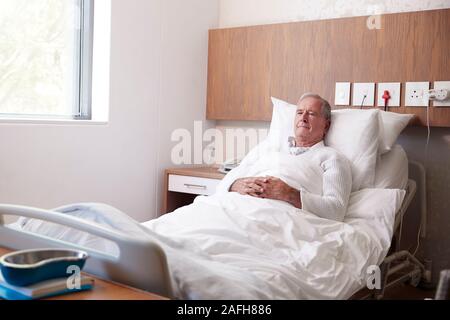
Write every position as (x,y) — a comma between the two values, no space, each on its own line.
(45,289)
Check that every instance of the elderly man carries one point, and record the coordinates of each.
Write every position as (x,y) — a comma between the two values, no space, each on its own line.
(312,121)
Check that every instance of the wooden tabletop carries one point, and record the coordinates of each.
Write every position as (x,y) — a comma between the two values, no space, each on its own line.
(105,290)
(210,172)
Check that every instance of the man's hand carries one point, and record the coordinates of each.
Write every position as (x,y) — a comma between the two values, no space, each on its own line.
(269,188)
(277,189)
(252,186)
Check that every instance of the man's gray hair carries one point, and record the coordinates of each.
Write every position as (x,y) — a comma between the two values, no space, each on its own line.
(326,108)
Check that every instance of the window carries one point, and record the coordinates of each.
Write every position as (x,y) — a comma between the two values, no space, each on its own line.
(46,58)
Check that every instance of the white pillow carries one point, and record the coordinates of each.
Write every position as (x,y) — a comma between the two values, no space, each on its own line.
(392,169)
(282,125)
(393,125)
(355,133)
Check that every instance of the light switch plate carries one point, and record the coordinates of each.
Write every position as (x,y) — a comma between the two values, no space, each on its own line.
(394,92)
(441,85)
(415,94)
(364,89)
(342,95)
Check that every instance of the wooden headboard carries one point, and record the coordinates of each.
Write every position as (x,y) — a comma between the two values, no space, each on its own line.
(248,65)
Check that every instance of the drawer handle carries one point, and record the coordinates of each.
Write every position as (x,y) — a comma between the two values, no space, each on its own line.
(195,186)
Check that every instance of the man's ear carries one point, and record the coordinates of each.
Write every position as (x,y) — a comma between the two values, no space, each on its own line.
(327,127)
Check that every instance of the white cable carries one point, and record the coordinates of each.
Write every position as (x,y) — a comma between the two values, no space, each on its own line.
(418,240)
(428,134)
(426,162)
(400,232)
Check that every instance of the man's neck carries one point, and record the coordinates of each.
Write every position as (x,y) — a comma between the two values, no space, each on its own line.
(306,144)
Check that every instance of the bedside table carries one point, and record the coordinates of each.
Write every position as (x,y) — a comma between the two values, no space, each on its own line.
(182,185)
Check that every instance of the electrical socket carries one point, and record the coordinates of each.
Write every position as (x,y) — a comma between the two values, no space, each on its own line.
(441,85)
(438,94)
(442,94)
(416,94)
(364,94)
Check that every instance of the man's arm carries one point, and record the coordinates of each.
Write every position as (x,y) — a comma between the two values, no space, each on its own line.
(337,186)
(332,204)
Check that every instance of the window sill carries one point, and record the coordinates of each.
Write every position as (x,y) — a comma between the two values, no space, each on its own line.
(51,121)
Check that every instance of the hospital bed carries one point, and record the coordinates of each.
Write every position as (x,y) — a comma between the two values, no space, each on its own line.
(400,266)
(141,262)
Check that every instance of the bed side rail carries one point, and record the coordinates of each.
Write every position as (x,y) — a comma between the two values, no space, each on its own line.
(442,292)
(141,262)
(411,189)
(417,172)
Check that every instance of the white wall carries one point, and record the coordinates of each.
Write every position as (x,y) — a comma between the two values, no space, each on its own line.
(158,83)
(184,72)
(235,13)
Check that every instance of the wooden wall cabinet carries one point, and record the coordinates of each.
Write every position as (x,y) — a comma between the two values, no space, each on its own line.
(248,65)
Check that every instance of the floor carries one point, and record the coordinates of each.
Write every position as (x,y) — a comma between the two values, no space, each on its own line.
(407,292)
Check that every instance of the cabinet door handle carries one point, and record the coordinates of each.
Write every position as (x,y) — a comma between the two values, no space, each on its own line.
(194,186)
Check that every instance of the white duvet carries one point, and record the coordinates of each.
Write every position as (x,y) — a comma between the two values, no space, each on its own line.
(230,246)
(239,247)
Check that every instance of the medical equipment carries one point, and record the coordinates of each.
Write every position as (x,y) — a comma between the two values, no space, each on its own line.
(386,98)
(28,267)
(229,165)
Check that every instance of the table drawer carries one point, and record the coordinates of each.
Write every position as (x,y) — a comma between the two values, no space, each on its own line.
(192,185)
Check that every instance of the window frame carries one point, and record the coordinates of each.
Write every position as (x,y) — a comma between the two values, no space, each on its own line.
(86,46)
(82,81)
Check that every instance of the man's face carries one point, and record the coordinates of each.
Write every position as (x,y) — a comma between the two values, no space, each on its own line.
(310,125)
